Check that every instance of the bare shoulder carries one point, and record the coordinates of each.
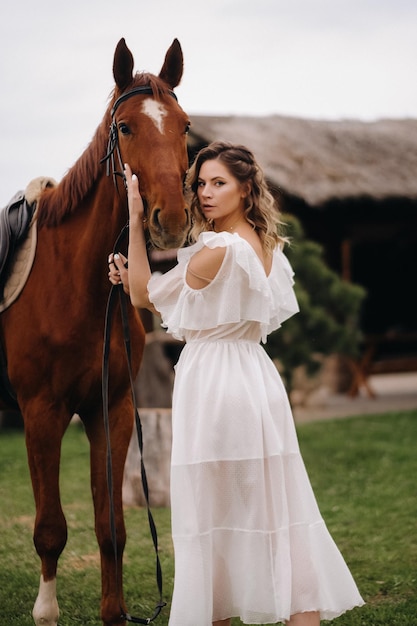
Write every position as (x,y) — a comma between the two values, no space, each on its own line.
(204,265)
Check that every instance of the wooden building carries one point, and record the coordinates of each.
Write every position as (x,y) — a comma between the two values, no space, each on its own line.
(353,185)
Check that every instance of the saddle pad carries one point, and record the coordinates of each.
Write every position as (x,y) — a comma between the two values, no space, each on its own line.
(21,265)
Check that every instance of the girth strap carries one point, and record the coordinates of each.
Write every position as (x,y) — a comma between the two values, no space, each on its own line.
(7,393)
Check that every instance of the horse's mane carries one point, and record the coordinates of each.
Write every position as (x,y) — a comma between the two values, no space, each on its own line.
(57,203)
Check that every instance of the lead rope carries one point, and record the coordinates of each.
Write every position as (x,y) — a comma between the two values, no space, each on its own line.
(117,290)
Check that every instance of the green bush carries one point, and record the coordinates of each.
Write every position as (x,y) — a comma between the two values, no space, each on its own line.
(329,310)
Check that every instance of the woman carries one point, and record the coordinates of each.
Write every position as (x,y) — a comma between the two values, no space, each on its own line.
(248,536)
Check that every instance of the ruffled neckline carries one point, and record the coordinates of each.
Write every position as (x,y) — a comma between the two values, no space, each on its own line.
(232,297)
(224,238)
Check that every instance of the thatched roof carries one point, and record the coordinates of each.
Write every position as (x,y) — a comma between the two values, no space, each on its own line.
(324,160)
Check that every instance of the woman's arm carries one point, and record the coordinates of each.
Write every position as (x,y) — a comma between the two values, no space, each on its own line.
(139,270)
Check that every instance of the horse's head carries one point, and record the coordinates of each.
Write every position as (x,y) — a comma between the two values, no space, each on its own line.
(150,130)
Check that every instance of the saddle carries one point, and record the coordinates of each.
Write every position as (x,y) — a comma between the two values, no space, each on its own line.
(17,219)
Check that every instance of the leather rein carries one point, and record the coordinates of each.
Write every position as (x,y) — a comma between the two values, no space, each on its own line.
(117,292)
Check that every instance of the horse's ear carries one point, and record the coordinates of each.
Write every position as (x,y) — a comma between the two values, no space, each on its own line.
(173,66)
(122,65)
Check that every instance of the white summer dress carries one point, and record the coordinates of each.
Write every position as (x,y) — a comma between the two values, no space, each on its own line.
(248,536)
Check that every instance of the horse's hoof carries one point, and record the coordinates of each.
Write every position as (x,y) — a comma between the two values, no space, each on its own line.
(46,610)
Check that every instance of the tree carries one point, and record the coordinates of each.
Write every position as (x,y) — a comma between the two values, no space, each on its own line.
(329,310)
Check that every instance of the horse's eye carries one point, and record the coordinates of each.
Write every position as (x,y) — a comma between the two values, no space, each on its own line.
(124,128)
(187,128)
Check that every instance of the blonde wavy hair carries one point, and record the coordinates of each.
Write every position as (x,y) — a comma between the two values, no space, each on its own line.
(261,210)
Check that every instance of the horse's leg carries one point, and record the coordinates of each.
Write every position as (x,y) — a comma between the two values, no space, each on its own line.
(121,417)
(44,431)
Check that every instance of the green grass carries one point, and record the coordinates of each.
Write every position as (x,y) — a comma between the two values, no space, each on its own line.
(363,472)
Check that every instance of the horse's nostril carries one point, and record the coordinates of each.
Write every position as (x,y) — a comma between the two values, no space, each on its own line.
(155,219)
(157,222)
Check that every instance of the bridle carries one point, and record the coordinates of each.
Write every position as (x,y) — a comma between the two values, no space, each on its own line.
(117,292)
(113,141)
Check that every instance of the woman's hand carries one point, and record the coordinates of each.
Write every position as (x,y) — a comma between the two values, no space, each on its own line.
(135,202)
(136,282)
(118,273)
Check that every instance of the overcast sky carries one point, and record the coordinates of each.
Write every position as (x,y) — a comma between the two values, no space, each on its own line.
(327,59)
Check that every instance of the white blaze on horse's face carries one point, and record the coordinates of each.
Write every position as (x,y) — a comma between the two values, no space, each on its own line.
(156,111)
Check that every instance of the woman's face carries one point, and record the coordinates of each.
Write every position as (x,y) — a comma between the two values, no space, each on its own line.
(219,193)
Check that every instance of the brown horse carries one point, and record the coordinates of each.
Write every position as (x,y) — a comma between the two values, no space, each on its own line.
(52,336)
